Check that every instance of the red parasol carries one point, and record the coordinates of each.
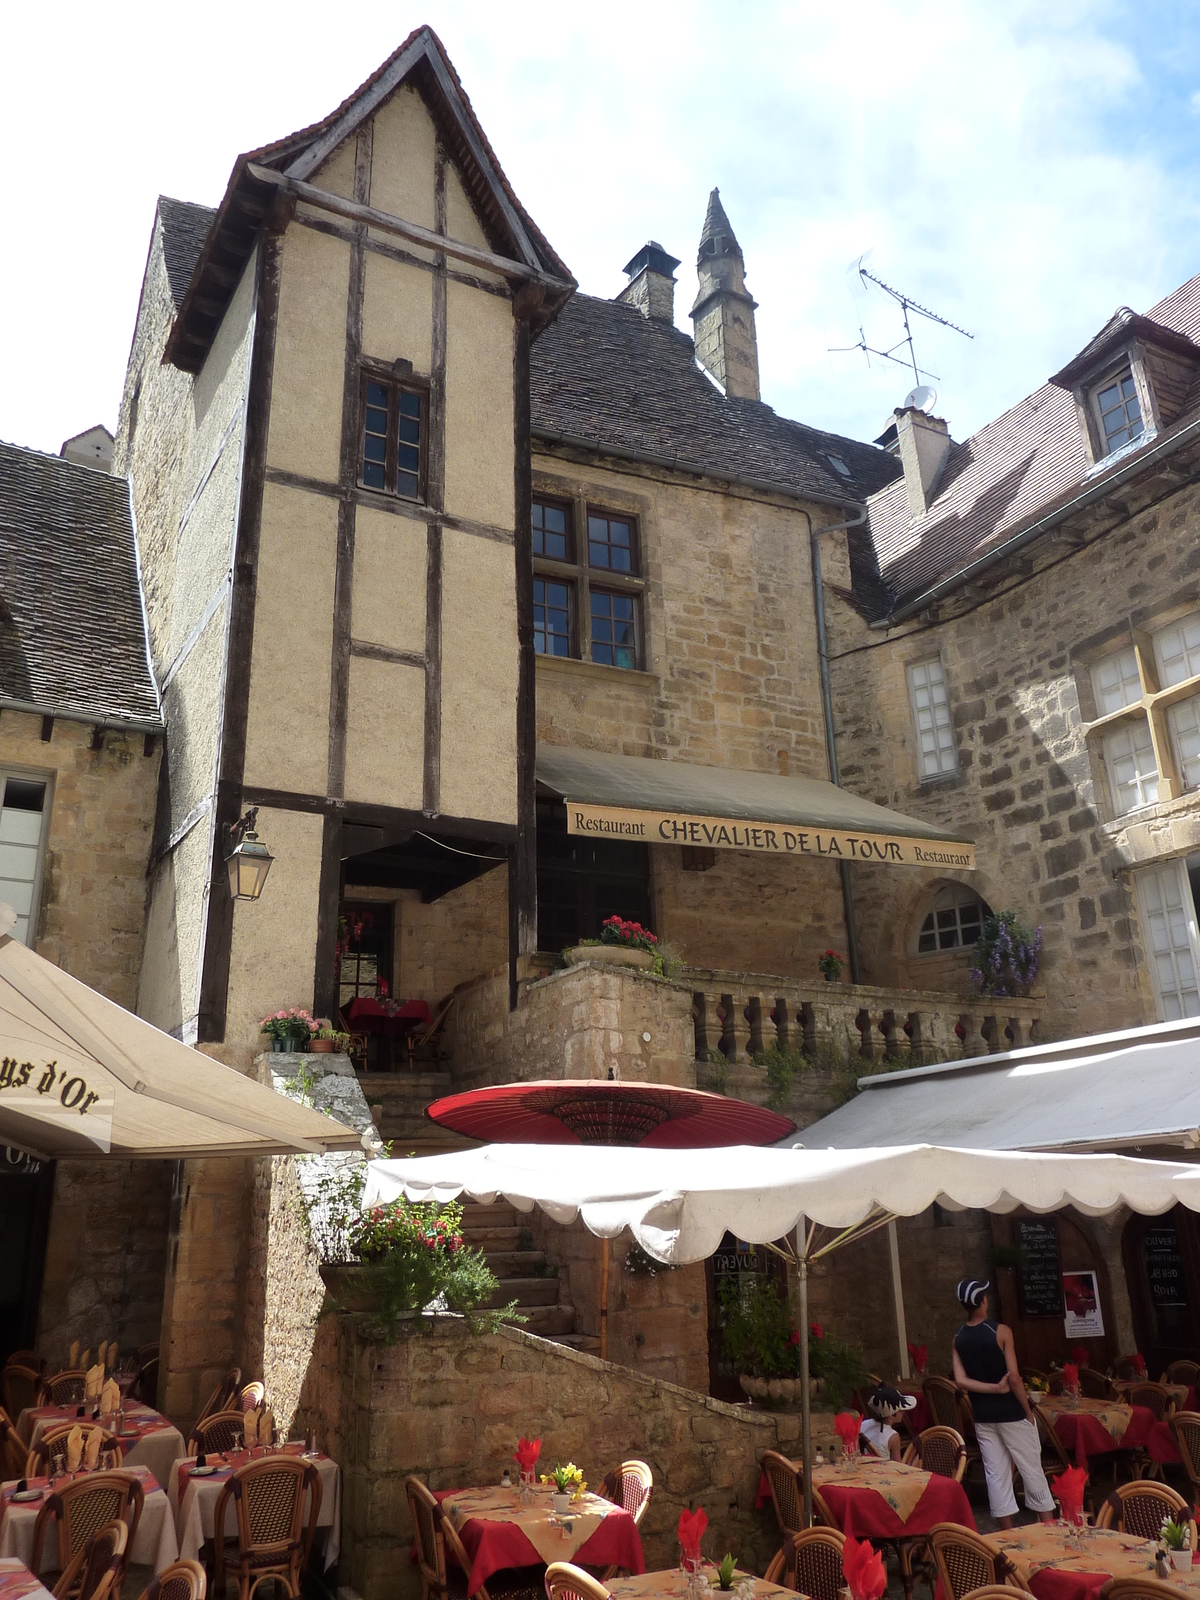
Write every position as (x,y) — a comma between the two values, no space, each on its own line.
(600,1111)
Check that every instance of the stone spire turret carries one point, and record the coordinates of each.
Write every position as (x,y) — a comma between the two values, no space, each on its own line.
(723,315)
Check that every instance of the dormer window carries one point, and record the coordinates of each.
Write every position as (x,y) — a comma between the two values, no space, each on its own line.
(1115,402)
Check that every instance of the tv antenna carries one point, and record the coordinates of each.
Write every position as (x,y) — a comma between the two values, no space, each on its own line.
(906,304)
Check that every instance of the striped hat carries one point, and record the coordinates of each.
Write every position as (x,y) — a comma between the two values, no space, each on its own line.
(883,1401)
(971,1291)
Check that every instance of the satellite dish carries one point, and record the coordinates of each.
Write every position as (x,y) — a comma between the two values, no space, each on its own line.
(921,398)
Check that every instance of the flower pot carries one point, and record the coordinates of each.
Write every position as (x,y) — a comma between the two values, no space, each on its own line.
(321,1047)
(343,1282)
(1181,1560)
(787,1388)
(279,1046)
(562,1504)
(832,977)
(612,955)
(756,1388)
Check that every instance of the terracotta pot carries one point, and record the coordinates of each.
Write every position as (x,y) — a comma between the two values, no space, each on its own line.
(321,1047)
(613,955)
(343,1283)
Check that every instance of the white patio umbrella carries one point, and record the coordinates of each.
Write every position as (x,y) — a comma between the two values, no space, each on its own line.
(81,1076)
(678,1204)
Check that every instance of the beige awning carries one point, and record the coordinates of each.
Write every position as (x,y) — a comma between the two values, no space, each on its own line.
(81,1076)
(672,802)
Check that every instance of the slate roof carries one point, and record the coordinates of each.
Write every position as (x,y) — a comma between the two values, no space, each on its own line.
(72,630)
(185,227)
(604,373)
(1021,467)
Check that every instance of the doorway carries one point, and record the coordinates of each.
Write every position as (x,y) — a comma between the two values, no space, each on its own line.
(582,881)
(736,1266)
(1045,1268)
(1162,1268)
(26,1190)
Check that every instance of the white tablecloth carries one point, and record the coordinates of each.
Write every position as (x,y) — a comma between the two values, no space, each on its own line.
(155,1545)
(18,1583)
(158,1448)
(194,1517)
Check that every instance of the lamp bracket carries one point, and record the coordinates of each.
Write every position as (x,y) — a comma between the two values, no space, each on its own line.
(235,832)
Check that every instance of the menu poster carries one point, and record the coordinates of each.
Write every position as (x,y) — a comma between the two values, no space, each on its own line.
(1039,1279)
(1082,1295)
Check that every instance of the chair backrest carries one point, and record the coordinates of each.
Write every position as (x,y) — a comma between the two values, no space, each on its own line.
(182,1580)
(67,1388)
(435,1535)
(1152,1395)
(25,1358)
(107,1550)
(48,1457)
(943,1401)
(630,1486)
(813,1563)
(1032,1372)
(1053,1452)
(145,1385)
(223,1430)
(1148,1588)
(252,1395)
(12,1451)
(566,1582)
(270,1496)
(1185,1430)
(20,1388)
(1182,1372)
(1141,1508)
(943,1451)
(1094,1384)
(81,1508)
(221,1399)
(964,1561)
(1125,1367)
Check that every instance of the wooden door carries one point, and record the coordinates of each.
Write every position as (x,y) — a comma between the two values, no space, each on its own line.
(1033,1253)
(1162,1268)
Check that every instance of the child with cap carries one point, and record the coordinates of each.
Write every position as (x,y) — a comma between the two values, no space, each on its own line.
(884,1403)
(985,1365)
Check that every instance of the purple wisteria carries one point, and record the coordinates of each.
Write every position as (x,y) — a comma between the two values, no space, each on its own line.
(1007,956)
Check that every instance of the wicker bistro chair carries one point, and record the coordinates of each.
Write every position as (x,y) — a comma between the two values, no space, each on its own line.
(182,1580)
(273,1539)
(1182,1372)
(1147,1588)
(30,1358)
(145,1385)
(106,1551)
(67,1388)
(1125,1367)
(1140,1508)
(965,1562)
(252,1395)
(48,1457)
(215,1434)
(446,1579)
(81,1508)
(786,1481)
(1152,1395)
(1185,1430)
(940,1450)
(1095,1385)
(811,1563)
(567,1582)
(12,1451)
(223,1396)
(1054,1455)
(630,1486)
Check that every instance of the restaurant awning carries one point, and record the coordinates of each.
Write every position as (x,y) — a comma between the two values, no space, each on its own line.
(673,802)
(81,1076)
(1135,1089)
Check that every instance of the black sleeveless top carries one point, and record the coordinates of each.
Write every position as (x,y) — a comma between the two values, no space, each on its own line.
(982,1359)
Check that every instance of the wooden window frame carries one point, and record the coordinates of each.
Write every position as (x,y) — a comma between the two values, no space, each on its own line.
(582,577)
(1116,375)
(1153,705)
(635,545)
(572,613)
(566,506)
(396,385)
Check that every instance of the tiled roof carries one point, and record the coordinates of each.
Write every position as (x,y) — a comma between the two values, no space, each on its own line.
(72,632)
(185,227)
(605,373)
(1014,471)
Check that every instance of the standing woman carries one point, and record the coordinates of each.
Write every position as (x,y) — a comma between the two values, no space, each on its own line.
(985,1365)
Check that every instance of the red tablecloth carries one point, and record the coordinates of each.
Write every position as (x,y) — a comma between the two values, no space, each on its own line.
(1082,1433)
(867,1515)
(366,1015)
(492,1546)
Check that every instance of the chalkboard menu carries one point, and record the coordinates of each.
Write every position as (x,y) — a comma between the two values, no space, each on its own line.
(1164,1266)
(1039,1279)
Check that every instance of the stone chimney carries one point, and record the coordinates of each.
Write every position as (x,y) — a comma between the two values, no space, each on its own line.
(924,445)
(651,286)
(726,342)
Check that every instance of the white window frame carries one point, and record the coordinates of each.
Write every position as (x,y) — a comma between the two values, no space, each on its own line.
(1128,687)
(943,752)
(1168,874)
(960,896)
(31,775)
(1188,767)
(1190,657)
(1143,780)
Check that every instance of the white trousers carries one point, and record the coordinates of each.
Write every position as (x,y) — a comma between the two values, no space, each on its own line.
(1004,1445)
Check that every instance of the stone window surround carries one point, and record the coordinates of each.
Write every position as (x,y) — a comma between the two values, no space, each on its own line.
(582,496)
(1153,705)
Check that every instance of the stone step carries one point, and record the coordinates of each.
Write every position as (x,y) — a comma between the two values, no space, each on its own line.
(404,1085)
(526,1292)
(497,1240)
(548,1322)
(488,1218)
(516,1263)
(589,1342)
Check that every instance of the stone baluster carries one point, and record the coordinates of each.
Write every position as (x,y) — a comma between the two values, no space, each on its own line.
(706,1024)
(912,1028)
(992,1036)
(779,1016)
(1013,1034)
(887,1027)
(752,1013)
(864,1025)
(728,1013)
(806,1017)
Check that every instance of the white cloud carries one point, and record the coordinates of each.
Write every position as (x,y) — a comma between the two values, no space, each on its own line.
(1009,168)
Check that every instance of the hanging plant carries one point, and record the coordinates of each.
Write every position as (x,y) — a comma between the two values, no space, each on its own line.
(1008,956)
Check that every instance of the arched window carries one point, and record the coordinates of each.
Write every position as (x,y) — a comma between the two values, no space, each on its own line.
(953,921)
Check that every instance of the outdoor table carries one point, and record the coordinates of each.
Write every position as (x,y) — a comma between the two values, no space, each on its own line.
(1056,1565)
(673,1585)
(147,1437)
(1091,1427)
(367,1015)
(154,1544)
(499,1530)
(18,1583)
(194,1500)
(885,1499)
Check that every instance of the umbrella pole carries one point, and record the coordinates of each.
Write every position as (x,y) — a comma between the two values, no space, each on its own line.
(604,1250)
(805,1405)
(898,1296)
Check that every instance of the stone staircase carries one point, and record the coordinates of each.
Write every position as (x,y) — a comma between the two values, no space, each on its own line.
(525,1274)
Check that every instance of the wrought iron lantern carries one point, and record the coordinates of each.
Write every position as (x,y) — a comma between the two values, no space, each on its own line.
(249,860)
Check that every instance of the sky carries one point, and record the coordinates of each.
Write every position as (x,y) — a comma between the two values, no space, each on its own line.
(1021,169)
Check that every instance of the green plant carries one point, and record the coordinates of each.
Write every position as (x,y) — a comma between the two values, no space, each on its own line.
(326,1030)
(668,962)
(726,1571)
(781,1066)
(830,964)
(525,1239)
(839,1364)
(1174,1534)
(1007,955)
(567,1480)
(757,1337)
(292,1025)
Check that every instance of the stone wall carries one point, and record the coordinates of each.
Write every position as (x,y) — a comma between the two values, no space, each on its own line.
(449,1407)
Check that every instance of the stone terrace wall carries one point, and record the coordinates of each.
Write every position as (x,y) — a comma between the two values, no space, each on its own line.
(449,1407)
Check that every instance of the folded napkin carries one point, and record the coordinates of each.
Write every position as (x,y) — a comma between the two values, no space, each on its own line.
(110,1397)
(112,1356)
(85,1357)
(73,1358)
(863,1566)
(250,1426)
(102,1353)
(1139,1364)
(91,1448)
(94,1382)
(528,1450)
(74,1448)
(919,1355)
(1069,1487)
(1070,1375)
(690,1531)
(846,1425)
(1080,1355)
(266,1426)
